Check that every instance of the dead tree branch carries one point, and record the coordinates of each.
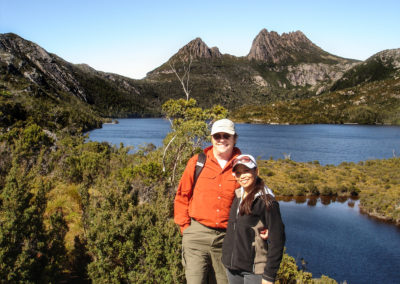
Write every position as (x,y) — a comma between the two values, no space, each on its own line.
(184,79)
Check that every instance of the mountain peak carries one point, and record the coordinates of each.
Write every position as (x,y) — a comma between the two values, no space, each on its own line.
(198,49)
(270,47)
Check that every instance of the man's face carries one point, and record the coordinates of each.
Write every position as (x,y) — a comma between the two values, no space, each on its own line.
(223,143)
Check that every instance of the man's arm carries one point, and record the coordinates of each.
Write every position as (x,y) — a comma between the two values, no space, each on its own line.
(184,194)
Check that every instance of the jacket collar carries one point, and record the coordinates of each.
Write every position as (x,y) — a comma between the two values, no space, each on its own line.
(239,192)
(210,155)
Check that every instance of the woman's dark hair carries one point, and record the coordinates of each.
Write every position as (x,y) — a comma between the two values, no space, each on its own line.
(245,206)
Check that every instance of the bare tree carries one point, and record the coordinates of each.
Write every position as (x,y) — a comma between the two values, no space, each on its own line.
(184,79)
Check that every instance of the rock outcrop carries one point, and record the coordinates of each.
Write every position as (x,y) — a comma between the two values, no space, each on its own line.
(380,66)
(37,65)
(315,73)
(198,49)
(389,58)
(288,48)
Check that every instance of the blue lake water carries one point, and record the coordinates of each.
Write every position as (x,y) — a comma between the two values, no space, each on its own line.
(335,239)
(338,241)
(328,144)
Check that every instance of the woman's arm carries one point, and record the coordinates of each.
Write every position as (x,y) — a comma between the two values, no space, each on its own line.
(276,241)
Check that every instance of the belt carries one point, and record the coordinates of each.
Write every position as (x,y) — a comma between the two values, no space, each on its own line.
(211,228)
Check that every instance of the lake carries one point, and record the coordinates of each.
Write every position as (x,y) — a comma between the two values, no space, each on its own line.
(336,240)
(328,144)
(332,236)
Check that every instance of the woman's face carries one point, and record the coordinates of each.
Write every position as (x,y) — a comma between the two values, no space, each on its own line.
(245,177)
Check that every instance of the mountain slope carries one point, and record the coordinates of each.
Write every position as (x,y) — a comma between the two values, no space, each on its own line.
(375,102)
(277,67)
(380,66)
(23,62)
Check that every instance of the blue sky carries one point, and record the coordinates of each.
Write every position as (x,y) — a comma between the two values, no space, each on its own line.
(133,37)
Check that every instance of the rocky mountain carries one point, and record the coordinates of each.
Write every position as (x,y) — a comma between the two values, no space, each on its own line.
(368,93)
(199,50)
(24,63)
(288,48)
(277,68)
(382,65)
(24,58)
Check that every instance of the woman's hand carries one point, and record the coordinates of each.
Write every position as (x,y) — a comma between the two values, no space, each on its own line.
(266,282)
(264,235)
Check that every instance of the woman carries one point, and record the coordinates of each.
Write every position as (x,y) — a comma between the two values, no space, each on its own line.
(253,245)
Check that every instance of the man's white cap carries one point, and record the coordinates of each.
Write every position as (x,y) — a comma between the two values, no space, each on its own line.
(246,160)
(223,125)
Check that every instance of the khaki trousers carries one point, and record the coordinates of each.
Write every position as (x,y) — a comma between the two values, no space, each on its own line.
(202,253)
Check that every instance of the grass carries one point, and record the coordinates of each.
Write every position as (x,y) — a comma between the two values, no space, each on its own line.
(376,182)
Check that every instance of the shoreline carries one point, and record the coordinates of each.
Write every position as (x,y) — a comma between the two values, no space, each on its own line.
(312,200)
(379,217)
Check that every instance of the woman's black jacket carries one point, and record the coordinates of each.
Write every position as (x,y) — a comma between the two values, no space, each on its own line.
(243,249)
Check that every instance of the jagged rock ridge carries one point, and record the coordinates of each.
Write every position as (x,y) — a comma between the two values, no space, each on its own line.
(272,48)
(277,67)
(296,61)
(198,49)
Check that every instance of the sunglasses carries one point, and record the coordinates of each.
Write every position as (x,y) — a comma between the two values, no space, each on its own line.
(244,159)
(218,136)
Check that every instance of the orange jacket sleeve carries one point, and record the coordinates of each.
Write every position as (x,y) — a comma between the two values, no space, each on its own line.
(184,194)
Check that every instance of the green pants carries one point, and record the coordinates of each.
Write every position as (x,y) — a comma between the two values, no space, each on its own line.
(202,253)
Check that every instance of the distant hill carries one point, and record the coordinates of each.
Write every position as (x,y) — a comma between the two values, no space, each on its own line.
(277,69)
(380,66)
(27,69)
(368,93)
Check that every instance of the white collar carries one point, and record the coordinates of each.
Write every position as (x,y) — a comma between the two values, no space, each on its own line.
(240,192)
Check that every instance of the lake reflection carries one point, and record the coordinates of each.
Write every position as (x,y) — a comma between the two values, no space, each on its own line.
(313,200)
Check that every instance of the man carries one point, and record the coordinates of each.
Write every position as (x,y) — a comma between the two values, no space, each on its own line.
(202,212)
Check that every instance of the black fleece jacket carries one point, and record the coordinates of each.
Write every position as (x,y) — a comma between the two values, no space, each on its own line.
(244,250)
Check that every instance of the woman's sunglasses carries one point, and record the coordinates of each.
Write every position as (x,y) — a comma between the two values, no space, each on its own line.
(218,136)
(244,159)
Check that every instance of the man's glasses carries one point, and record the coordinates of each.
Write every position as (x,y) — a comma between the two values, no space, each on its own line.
(218,136)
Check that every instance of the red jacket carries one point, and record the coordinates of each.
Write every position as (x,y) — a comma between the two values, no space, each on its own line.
(213,194)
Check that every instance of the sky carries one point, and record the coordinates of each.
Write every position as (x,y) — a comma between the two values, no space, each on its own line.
(133,37)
